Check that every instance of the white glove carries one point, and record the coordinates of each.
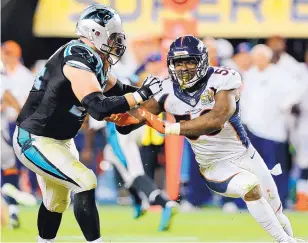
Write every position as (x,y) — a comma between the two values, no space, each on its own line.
(150,86)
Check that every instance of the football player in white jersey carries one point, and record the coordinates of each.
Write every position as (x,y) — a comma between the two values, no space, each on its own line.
(205,103)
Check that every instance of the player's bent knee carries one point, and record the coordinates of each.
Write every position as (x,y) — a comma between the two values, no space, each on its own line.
(88,181)
(59,206)
(254,194)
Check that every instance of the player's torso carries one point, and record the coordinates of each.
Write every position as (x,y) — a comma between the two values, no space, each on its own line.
(52,109)
(229,142)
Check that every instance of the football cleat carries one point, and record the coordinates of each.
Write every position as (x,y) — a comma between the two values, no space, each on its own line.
(167,215)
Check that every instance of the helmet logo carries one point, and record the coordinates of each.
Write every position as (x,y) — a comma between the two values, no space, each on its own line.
(180,53)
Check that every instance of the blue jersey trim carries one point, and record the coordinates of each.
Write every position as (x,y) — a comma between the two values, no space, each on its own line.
(68,52)
(33,154)
(194,99)
(236,123)
(219,186)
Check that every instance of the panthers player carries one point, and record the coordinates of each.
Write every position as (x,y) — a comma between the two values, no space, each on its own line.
(71,85)
(205,103)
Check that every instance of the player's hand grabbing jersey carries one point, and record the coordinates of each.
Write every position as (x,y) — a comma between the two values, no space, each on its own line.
(52,109)
(228,143)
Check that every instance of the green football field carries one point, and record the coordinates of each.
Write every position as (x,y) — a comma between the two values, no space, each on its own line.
(117,225)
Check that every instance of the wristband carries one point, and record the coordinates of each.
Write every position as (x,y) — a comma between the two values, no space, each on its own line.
(173,129)
(137,97)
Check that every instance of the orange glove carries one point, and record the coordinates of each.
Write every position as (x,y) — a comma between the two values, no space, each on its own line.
(159,125)
(153,120)
(122,119)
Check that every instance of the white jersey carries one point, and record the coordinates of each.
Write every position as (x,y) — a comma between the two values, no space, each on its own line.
(231,141)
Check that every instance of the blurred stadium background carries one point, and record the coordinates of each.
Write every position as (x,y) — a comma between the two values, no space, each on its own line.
(230,28)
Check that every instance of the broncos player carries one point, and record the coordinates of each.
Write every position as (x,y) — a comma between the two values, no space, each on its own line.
(71,85)
(205,103)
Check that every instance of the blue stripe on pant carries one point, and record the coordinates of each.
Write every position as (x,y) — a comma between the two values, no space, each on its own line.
(219,186)
(272,153)
(114,143)
(33,154)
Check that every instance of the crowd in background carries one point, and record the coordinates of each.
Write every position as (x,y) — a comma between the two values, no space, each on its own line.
(274,111)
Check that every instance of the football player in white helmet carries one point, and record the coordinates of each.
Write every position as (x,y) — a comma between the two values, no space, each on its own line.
(76,80)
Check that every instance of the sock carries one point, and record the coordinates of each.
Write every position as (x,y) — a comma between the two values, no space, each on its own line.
(270,193)
(135,196)
(86,214)
(11,176)
(48,224)
(13,209)
(146,185)
(265,216)
(284,221)
(156,198)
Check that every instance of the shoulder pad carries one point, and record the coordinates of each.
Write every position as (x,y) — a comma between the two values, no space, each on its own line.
(83,57)
(226,79)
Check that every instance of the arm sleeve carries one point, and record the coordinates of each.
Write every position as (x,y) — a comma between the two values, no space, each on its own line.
(120,89)
(100,106)
(82,57)
(127,129)
(233,81)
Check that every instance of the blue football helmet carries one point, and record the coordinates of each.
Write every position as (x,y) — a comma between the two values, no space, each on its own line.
(191,49)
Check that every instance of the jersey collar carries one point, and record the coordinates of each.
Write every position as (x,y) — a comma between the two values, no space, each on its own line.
(186,97)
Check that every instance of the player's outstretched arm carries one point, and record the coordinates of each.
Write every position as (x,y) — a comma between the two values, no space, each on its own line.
(115,87)
(214,120)
(225,106)
(88,91)
(135,117)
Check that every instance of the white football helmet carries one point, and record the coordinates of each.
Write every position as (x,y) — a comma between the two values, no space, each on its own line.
(102,26)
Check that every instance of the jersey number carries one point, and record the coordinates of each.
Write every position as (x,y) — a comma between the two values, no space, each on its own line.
(221,71)
(187,117)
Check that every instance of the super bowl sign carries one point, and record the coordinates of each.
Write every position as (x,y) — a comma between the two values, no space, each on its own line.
(218,18)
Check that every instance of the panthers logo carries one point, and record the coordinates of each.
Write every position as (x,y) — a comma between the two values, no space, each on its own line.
(103,17)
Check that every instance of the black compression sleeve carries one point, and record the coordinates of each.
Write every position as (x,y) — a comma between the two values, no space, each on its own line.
(100,106)
(120,89)
(127,129)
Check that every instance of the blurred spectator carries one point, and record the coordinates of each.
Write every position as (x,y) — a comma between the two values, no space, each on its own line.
(19,82)
(38,66)
(155,66)
(17,75)
(266,92)
(299,137)
(225,49)
(241,61)
(212,50)
(125,69)
(304,65)
(280,57)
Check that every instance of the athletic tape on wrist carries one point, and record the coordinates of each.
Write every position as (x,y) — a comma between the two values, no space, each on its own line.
(173,129)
